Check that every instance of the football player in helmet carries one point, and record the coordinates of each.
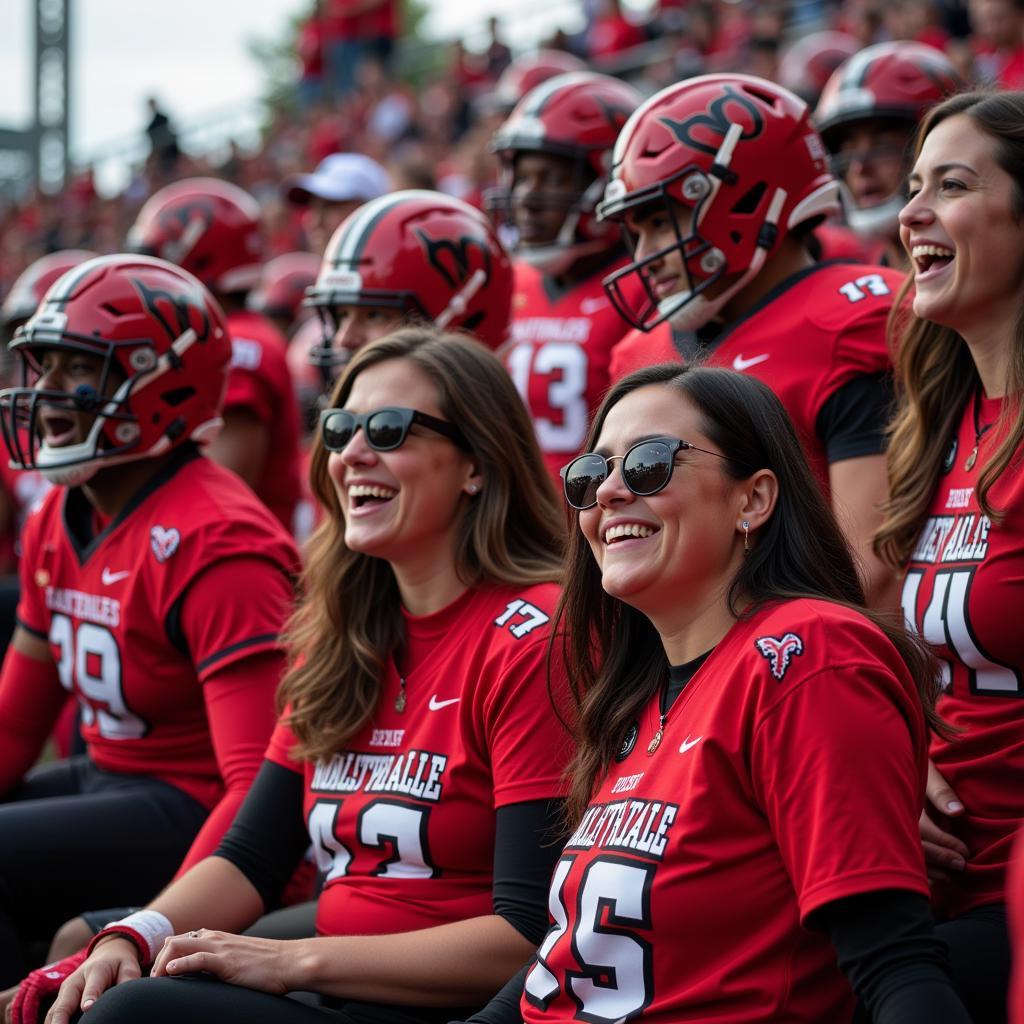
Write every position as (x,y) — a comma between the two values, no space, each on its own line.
(555,150)
(525,73)
(867,115)
(279,295)
(718,180)
(211,228)
(154,586)
(20,490)
(411,256)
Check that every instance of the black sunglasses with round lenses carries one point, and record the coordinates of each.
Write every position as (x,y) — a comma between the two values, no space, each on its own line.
(646,469)
(385,429)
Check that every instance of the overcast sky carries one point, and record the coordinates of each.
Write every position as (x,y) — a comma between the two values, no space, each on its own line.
(191,54)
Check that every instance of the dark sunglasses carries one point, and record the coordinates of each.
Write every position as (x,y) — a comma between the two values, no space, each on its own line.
(385,429)
(646,469)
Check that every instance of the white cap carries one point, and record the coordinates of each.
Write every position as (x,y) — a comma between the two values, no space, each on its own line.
(340,177)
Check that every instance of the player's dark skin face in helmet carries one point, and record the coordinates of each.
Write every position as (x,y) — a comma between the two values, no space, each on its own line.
(64,370)
(543,185)
(111,487)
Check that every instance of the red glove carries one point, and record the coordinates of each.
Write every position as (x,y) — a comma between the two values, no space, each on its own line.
(40,988)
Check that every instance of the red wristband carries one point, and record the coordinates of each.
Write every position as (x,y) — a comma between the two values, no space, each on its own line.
(141,946)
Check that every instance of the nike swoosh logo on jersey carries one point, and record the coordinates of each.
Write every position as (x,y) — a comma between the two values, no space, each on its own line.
(739,363)
(688,743)
(110,578)
(593,305)
(436,705)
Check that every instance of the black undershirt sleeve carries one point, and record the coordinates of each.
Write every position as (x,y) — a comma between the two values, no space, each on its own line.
(527,845)
(504,1008)
(268,837)
(887,948)
(852,421)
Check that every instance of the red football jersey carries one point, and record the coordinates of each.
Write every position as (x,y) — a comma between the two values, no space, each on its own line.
(110,610)
(683,892)
(261,382)
(963,591)
(558,357)
(805,340)
(402,821)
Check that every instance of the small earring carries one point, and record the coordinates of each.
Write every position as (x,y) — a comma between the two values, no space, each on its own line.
(473,488)
(746,534)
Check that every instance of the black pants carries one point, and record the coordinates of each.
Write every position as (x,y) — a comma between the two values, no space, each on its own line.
(203,1000)
(73,837)
(979,953)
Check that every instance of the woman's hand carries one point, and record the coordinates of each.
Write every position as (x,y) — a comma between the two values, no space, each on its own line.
(267,965)
(113,961)
(943,852)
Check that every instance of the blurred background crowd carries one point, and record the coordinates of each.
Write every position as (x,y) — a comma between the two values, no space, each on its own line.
(359,78)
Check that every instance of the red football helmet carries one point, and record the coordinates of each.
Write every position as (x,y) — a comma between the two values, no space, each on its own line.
(28,290)
(527,72)
(897,81)
(892,83)
(283,285)
(806,65)
(741,154)
(166,351)
(208,227)
(427,254)
(578,116)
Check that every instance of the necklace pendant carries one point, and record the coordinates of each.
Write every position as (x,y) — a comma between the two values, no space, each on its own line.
(655,742)
(400,699)
(971,459)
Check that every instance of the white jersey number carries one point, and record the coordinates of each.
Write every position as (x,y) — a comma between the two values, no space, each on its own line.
(89,662)
(398,829)
(528,617)
(615,980)
(861,287)
(566,366)
(946,623)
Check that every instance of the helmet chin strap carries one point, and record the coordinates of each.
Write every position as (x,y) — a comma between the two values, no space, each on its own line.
(555,258)
(695,311)
(875,222)
(69,476)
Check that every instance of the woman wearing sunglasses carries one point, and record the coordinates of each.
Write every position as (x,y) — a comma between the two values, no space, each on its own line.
(752,743)
(418,748)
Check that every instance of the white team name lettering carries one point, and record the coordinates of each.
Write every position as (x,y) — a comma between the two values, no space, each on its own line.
(105,611)
(959,497)
(387,737)
(953,539)
(627,782)
(641,826)
(552,328)
(245,354)
(416,773)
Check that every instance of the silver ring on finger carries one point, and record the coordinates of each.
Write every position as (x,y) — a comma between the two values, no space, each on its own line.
(194,934)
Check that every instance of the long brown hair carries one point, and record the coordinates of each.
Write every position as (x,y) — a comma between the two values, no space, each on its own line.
(614,655)
(349,619)
(935,374)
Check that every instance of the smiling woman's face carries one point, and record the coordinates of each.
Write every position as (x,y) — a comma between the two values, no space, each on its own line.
(681,542)
(961,230)
(404,504)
